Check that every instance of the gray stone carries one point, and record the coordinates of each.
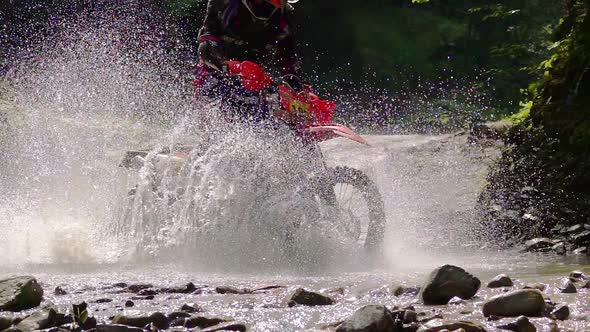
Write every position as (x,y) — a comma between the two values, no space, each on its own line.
(186,289)
(581,239)
(135,288)
(117,328)
(559,249)
(230,290)
(577,274)
(203,322)
(573,229)
(491,130)
(568,287)
(581,251)
(371,318)
(538,244)
(524,302)
(20,293)
(446,282)
(158,319)
(240,327)
(5,322)
(562,312)
(501,280)
(436,325)
(40,320)
(307,298)
(190,308)
(522,324)
(59,291)
(178,314)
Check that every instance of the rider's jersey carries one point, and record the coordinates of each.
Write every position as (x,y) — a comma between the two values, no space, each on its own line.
(231,32)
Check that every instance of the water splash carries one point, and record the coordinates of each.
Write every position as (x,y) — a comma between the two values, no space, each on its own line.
(105,87)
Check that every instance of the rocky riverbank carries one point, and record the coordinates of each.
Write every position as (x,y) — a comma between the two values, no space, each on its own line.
(450,299)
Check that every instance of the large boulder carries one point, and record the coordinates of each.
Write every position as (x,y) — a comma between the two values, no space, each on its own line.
(446,282)
(41,320)
(371,318)
(524,302)
(20,293)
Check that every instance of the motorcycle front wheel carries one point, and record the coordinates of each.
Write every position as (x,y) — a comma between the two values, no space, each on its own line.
(359,205)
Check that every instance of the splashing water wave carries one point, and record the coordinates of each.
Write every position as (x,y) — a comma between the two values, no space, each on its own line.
(66,200)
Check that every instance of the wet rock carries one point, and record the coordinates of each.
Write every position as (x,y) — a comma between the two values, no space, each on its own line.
(231,290)
(178,314)
(59,291)
(581,239)
(12,329)
(437,325)
(186,289)
(147,292)
(577,275)
(413,327)
(538,244)
(522,324)
(120,285)
(577,228)
(40,320)
(158,319)
(307,298)
(410,316)
(501,280)
(559,249)
(568,287)
(581,251)
(202,322)
(129,304)
(240,327)
(525,302)
(135,288)
(446,282)
(5,322)
(190,308)
(562,312)
(273,287)
(490,130)
(117,328)
(102,300)
(89,324)
(540,287)
(20,293)
(405,291)
(371,318)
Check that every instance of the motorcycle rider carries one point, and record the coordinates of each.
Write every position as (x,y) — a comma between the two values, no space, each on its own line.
(243,30)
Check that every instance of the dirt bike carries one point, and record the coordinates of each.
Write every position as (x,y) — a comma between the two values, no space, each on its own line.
(348,190)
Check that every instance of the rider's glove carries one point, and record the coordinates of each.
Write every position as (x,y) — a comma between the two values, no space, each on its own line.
(253,76)
(232,67)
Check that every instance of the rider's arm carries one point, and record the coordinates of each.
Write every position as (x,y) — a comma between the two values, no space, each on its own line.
(210,44)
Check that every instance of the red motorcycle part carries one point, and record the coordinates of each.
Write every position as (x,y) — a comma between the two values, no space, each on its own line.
(253,76)
(307,104)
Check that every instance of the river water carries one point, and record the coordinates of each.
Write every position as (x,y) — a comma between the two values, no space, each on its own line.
(63,194)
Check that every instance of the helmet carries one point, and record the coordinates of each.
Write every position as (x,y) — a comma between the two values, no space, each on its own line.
(265,14)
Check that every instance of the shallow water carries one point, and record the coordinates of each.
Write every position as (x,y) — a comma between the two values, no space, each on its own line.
(411,171)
